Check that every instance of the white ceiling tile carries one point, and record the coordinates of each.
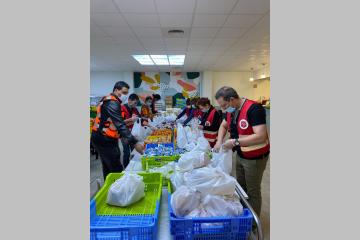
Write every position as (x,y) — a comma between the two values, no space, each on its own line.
(209,20)
(178,44)
(200,41)
(153,44)
(96,31)
(216,49)
(180,41)
(215,6)
(175,6)
(175,20)
(143,32)
(227,42)
(203,32)
(102,6)
(108,19)
(119,31)
(242,21)
(252,6)
(226,32)
(136,6)
(198,48)
(142,20)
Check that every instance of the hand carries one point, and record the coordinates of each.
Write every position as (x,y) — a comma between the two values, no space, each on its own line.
(139,148)
(201,127)
(229,144)
(134,118)
(217,146)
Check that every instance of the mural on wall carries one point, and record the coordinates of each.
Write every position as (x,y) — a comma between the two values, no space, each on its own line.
(176,84)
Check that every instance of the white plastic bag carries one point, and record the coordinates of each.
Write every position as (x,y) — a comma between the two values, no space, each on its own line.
(193,159)
(209,180)
(126,190)
(177,179)
(136,130)
(218,206)
(166,170)
(223,160)
(181,136)
(202,145)
(184,200)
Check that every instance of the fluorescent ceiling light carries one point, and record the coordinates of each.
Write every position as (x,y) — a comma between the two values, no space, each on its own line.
(160,59)
(176,59)
(143,59)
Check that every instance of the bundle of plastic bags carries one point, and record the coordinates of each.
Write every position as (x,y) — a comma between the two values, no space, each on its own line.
(187,202)
(209,180)
(126,190)
(217,206)
(184,200)
(223,160)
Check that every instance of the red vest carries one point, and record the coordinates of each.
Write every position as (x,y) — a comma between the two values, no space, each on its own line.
(211,136)
(198,113)
(244,128)
(126,114)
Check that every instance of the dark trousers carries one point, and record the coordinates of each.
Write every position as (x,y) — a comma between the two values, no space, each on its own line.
(109,152)
(127,149)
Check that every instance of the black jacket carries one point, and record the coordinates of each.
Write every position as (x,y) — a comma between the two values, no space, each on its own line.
(112,109)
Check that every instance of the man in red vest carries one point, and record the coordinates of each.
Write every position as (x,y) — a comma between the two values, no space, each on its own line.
(246,122)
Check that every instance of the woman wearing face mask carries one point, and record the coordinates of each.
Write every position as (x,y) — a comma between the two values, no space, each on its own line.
(194,111)
(146,109)
(210,121)
(186,111)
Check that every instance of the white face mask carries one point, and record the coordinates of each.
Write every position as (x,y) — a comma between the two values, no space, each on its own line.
(124,98)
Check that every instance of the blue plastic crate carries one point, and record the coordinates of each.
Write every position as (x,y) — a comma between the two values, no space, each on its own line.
(154,145)
(137,227)
(232,228)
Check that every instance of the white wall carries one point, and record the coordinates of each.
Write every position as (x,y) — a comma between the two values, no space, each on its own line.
(102,83)
(238,80)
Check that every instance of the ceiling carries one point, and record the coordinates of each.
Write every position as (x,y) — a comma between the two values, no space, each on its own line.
(220,35)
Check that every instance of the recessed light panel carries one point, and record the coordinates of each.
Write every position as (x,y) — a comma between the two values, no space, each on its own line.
(160,59)
(143,59)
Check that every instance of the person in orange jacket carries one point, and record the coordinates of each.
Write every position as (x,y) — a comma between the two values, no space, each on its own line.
(109,127)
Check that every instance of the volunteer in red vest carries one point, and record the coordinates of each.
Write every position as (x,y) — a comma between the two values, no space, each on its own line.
(109,126)
(130,115)
(186,111)
(210,121)
(195,111)
(246,122)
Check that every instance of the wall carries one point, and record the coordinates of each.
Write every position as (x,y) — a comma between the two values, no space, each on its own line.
(102,83)
(262,90)
(238,80)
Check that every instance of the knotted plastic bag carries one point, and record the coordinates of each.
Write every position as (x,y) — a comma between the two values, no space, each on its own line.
(126,190)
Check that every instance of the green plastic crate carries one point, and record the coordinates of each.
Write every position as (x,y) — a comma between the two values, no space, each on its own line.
(147,205)
(157,161)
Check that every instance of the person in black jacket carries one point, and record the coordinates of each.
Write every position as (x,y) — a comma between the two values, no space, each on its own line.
(155,98)
(109,126)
